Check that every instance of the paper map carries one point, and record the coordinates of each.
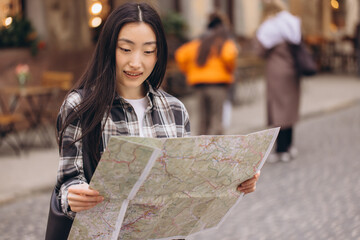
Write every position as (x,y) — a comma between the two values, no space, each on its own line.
(169,188)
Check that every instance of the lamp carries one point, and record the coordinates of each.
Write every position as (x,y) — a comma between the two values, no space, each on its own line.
(97,10)
(334,4)
(95,22)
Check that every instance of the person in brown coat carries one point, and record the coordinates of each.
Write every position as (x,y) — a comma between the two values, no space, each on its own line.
(278,29)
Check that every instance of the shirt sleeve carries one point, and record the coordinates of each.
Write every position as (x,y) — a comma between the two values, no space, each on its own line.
(290,27)
(182,57)
(229,54)
(70,169)
(182,114)
(187,131)
(278,29)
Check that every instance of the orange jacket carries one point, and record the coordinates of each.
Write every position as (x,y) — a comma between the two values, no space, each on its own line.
(217,69)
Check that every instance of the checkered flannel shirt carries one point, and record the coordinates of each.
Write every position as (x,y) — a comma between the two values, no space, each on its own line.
(165,117)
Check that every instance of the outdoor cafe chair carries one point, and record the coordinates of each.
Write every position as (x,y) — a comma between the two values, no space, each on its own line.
(7,127)
(57,79)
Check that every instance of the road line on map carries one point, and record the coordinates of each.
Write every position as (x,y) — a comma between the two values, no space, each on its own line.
(133,192)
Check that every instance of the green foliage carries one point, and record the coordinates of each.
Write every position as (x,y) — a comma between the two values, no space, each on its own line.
(174,24)
(19,33)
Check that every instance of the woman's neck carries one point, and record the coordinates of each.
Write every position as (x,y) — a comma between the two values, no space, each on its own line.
(132,93)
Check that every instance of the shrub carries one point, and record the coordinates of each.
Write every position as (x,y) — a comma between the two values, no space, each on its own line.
(20,33)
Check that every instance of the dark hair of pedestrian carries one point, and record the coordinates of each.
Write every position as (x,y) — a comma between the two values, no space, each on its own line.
(99,78)
(214,39)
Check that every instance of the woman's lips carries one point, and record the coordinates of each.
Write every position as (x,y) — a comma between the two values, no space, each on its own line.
(133,74)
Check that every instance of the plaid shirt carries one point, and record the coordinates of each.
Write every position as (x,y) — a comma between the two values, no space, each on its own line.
(165,117)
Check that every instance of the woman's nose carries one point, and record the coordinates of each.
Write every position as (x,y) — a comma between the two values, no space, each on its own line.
(135,61)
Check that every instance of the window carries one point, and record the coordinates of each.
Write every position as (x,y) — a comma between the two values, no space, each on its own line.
(8,9)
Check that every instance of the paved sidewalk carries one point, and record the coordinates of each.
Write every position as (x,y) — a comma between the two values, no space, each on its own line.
(36,170)
(319,94)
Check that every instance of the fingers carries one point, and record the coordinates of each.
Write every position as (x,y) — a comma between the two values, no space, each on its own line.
(246,190)
(249,185)
(83,189)
(78,207)
(81,197)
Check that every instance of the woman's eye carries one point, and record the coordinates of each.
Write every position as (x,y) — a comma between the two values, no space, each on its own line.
(149,52)
(124,49)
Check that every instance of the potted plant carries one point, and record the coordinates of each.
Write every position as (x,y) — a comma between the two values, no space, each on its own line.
(20,33)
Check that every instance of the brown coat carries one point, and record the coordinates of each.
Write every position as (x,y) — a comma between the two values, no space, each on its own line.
(282,85)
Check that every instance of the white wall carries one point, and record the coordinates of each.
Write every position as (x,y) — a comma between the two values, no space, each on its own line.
(196,13)
(247,16)
(352,16)
(36,14)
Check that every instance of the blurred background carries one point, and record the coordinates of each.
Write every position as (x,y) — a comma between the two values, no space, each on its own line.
(45,46)
(60,35)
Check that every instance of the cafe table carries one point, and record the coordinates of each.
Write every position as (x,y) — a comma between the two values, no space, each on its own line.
(31,101)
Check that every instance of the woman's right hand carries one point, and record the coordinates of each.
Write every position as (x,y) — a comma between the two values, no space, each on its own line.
(81,197)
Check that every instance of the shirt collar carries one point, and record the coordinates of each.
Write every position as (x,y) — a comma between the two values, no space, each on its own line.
(150,93)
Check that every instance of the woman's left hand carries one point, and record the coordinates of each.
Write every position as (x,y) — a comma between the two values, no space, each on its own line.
(249,185)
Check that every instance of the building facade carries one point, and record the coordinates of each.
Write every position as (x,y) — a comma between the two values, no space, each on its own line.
(70,28)
(61,22)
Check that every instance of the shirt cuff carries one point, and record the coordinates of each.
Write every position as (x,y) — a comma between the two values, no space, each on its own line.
(64,190)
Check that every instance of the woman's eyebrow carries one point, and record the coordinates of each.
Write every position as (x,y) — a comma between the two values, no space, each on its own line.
(125,40)
(150,43)
(131,42)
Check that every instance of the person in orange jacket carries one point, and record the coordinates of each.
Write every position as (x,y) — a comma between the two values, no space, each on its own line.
(208,63)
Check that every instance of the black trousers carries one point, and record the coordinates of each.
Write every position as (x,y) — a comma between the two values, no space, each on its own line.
(284,140)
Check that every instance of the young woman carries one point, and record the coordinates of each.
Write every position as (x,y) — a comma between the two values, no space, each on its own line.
(117,95)
(209,63)
(279,29)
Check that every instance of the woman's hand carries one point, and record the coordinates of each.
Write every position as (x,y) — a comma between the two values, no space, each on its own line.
(249,185)
(81,197)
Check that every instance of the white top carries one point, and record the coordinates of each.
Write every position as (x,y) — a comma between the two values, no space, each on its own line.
(283,27)
(139,106)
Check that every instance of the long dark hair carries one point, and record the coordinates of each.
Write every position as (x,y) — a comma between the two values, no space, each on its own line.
(99,79)
(214,39)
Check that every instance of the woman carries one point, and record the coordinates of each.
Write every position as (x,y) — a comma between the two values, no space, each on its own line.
(209,63)
(117,95)
(278,29)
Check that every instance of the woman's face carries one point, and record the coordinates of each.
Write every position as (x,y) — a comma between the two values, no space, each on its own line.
(135,58)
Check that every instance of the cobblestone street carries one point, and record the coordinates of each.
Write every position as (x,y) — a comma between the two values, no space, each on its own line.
(314,197)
